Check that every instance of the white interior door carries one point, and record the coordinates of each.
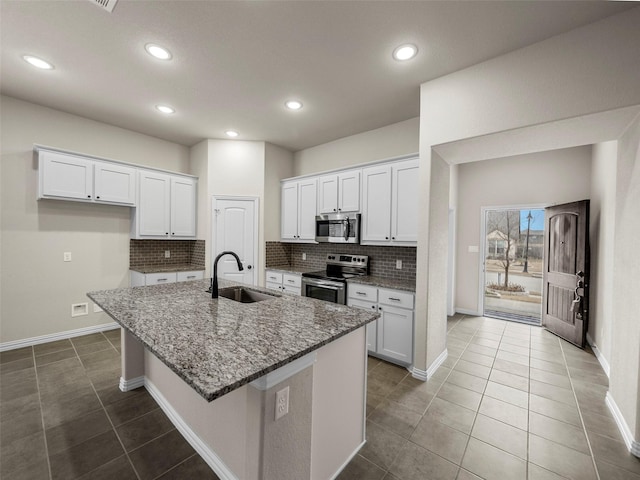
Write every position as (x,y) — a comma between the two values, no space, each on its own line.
(235,229)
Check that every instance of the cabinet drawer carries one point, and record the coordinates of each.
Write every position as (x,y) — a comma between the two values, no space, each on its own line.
(354,302)
(188,276)
(160,278)
(275,277)
(291,289)
(396,298)
(273,286)
(362,292)
(289,280)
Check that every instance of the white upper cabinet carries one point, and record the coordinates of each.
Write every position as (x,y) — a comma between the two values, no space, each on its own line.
(376,202)
(390,204)
(339,192)
(115,183)
(71,177)
(183,207)
(298,222)
(166,206)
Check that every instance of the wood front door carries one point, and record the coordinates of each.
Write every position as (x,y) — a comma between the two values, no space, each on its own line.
(565,297)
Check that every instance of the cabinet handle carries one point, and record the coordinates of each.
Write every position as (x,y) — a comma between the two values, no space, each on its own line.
(379,308)
(88,196)
(386,238)
(360,293)
(290,281)
(173,233)
(339,209)
(166,233)
(373,306)
(98,196)
(393,238)
(394,299)
(191,276)
(334,209)
(163,279)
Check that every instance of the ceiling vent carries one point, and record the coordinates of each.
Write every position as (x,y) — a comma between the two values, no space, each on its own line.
(108,5)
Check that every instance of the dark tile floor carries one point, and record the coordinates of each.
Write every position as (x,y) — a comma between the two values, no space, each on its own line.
(510,402)
(62,416)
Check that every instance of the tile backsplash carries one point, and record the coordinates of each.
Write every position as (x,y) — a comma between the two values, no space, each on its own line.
(382,260)
(151,253)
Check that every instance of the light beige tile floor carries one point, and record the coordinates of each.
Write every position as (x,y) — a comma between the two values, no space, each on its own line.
(511,401)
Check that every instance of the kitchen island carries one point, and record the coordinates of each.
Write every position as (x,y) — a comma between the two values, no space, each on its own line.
(215,366)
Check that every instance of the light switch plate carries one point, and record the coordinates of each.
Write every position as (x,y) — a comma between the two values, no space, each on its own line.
(167,254)
(66,256)
(399,264)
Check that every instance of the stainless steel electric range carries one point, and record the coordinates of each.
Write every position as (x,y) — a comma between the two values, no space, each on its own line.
(331,284)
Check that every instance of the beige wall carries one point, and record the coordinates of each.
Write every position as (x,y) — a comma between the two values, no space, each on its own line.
(38,288)
(601,240)
(387,142)
(537,179)
(625,361)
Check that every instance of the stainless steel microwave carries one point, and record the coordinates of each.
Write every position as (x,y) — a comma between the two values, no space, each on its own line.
(338,228)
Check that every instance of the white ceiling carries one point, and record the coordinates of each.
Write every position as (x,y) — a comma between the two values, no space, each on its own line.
(235,63)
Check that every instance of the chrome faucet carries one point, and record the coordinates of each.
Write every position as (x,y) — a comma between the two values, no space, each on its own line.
(214,278)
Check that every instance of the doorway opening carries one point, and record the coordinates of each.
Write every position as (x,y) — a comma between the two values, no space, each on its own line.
(513,263)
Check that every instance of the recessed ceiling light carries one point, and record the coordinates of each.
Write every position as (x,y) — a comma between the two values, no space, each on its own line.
(157,51)
(231,133)
(405,52)
(37,62)
(293,104)
(165,109)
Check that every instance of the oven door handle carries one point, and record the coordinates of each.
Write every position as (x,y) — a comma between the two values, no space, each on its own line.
(331,286)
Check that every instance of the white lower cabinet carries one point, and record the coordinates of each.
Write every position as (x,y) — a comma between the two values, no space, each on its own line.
(284,282)
(391,336)
(145,279)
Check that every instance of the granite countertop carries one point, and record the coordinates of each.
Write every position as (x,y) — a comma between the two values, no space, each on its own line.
(290,269)
(166,268)
(384,282)
(218,345)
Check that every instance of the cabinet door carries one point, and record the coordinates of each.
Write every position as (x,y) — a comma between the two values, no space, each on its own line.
(349,191)
(395,334)
(328,194)
(65,176)
(183,207)
(289,220)
(372,327)
(115,183)
(154,204)
(404,202)
(307,210)
(376,204)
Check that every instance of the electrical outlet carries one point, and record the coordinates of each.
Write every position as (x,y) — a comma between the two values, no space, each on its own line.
(66,256)
(167,254)
(304,256)
(398,264)
(79,309)
(282,403)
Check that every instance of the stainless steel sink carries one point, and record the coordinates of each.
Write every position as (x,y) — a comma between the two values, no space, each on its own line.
(245,295)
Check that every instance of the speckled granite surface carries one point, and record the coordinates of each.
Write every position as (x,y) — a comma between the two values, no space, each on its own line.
(290,269)
(383,282)
(166,268)
(219,345)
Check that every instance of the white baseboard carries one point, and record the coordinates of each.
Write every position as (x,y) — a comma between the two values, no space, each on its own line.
(630,442)
(208,455)
(466,311)
(126,385)
(603,361)
(431,370)
(343,466)
(78,332)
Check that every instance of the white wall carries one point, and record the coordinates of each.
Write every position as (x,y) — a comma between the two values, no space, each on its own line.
(601,240)
(544,178)
(38,288)
(387,142)
(625,360)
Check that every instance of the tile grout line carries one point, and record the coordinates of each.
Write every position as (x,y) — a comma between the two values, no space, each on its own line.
(584,428)
(44,430)
(108,417)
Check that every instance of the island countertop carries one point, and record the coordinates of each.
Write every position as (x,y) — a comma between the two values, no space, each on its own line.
(218,345)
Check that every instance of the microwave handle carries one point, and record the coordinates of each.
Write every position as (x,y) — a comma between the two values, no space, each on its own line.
(347,227)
